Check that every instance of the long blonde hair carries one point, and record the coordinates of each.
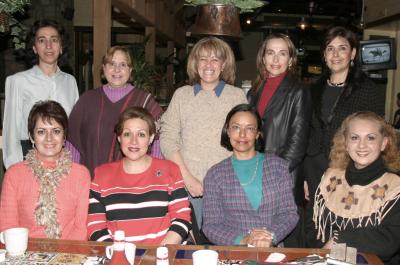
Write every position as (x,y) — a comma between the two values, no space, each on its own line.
(340,157)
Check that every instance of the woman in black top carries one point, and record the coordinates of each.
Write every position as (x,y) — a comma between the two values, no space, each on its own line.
(358,199)
(342,90)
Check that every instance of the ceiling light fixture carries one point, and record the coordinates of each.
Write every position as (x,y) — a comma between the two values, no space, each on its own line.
(303,24)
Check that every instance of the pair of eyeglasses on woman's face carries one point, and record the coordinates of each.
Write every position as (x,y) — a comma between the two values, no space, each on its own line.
(235,128)
(121,65)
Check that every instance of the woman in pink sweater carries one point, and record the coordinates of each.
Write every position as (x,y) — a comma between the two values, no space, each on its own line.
(47,193)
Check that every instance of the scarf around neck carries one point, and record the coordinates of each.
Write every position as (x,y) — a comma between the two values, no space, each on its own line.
(365,175)
(48,179)
(340,206)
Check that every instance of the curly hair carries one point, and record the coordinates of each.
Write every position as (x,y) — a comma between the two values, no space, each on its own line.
(221,49)
(340,157)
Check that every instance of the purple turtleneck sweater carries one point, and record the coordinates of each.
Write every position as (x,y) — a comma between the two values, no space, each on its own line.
(114,95)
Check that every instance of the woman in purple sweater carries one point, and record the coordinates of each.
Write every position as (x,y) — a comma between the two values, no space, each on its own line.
(92,140)
(248,198)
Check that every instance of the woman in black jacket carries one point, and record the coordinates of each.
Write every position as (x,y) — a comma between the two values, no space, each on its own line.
(281,100)
(341,90)
(284,105)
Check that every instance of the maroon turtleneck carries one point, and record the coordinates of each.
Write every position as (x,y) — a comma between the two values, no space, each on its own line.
(271,85)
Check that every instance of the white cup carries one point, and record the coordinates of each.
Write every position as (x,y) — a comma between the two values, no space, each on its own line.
(2,255)
(205,256)
(16,240)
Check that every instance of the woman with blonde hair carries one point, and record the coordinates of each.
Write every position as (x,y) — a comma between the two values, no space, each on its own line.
(92,140)
(191,126)
(357,201)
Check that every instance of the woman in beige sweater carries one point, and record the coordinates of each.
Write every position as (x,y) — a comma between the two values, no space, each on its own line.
(191,126)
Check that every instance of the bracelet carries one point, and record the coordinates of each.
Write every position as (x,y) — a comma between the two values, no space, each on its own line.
(274,243)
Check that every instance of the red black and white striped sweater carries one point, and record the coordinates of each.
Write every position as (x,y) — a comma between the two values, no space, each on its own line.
(146,206)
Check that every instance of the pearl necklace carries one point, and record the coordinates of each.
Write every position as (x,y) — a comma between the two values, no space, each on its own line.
(253,176)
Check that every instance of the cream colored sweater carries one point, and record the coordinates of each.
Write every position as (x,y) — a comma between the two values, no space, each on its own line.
(192,125)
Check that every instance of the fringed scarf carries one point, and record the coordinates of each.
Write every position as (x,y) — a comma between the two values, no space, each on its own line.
(339,206)
(48,180)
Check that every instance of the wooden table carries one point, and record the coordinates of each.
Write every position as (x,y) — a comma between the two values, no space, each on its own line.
(148,256)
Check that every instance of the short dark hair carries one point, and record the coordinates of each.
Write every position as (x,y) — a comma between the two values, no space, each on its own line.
(31,37)
(132,113)
(47,110)
(343,32)
(226,143)
(355,76)
(347,34)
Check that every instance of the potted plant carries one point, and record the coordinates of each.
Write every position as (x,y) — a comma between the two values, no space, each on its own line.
(243,5)
(221,17)
(9,24)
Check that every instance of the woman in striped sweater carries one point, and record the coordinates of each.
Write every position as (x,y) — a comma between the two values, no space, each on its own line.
(141,195)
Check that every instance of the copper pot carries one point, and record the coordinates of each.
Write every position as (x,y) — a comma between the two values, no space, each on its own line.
(217,19)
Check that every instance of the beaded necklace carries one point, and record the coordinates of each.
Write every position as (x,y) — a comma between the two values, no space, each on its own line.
(335,84)
(253,177)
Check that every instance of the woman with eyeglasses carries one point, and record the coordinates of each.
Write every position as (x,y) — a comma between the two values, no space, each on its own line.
(47,193)
(248,197)
(92,140)
(341,90)
(43,81)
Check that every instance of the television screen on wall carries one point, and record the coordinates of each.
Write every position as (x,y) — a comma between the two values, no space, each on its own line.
(377,54)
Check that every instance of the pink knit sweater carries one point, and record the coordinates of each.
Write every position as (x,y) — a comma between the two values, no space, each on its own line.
(20,194)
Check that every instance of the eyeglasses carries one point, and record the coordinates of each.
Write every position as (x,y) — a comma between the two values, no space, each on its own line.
(121,65)
(247,130)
